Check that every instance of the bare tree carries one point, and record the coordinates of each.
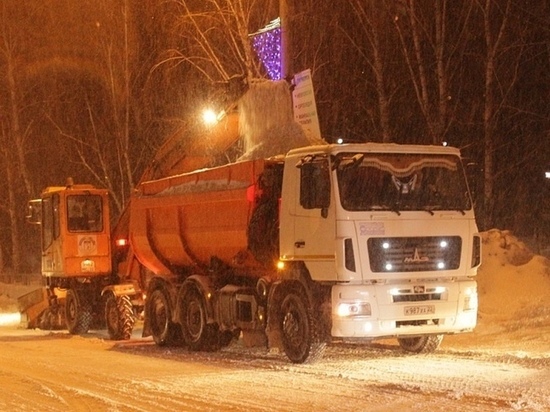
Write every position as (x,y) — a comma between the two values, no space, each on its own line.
(14,132)
(372,19)
(215,36)
(503,50)
(431,54)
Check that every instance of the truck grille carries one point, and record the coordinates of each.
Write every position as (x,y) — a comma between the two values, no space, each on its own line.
(414,254)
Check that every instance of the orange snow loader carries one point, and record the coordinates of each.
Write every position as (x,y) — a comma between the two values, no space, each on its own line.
(76,263)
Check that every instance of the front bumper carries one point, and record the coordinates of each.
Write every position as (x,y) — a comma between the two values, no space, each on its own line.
(395,312)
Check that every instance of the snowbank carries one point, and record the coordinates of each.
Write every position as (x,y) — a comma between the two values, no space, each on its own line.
(513,283)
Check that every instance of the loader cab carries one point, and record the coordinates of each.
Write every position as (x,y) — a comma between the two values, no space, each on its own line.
(74,226)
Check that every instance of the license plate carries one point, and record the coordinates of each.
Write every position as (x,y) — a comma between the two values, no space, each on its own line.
(419,310)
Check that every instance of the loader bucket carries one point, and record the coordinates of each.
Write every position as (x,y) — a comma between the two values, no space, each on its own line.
(31,306)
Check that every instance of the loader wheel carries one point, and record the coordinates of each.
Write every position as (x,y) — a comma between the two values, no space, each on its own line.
(119,316)
(164,331)
(52,319)
(420,344)
(197,333)
(299,333)
(78,312)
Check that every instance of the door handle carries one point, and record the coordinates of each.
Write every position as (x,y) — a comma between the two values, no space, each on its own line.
(299,244)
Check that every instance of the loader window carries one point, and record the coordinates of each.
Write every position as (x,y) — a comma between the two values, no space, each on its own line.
(84,213)
(47,223)
(50,220)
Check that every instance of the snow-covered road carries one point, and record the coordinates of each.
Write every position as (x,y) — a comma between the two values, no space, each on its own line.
(504,365)
(42,371)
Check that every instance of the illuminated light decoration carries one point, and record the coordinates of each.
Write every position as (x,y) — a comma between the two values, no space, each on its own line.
(389,266)
(121,242)
(443,244)
(440,265)
(386,245)
(267,45)
(280,265)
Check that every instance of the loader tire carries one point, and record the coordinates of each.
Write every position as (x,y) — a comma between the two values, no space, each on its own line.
(420,344)
(299,329)
(119,317)
(78,312)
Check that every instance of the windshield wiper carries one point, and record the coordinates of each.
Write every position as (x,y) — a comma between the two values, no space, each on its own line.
(430,209)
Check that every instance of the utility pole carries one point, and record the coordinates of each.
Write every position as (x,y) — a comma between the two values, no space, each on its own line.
(286,69)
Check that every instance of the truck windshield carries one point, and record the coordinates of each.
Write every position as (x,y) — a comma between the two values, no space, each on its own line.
(401,182)
(84,213)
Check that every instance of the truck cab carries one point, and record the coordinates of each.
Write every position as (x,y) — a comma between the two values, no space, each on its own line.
(391,230)
(75,232)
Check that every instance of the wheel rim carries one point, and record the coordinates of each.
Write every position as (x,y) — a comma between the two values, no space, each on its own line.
(159,318)
(294,326)
(71,308)
(194,318)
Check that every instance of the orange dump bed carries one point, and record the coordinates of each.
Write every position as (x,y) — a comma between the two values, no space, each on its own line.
(187,219)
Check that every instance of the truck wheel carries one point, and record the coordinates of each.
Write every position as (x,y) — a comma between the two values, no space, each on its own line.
(119,316)
(78,312)
(197,333)
(420,344)
(164,331)
(299,331)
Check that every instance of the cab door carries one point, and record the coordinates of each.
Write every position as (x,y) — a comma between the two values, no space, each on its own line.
(312,217)
(52,261)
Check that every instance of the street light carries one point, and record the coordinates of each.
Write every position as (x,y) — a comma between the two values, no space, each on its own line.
(211,118)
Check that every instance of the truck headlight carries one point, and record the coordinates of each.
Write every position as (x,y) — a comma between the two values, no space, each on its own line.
(354,309)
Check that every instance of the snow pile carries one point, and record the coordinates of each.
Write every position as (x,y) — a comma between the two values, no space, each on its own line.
(266,121)
(513,283)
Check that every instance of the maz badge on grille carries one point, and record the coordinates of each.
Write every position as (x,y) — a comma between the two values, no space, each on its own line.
(416,258)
